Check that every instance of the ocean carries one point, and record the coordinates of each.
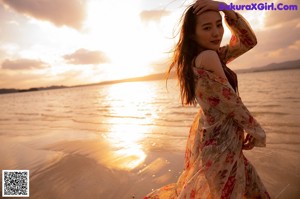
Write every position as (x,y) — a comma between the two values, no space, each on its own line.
(137,117)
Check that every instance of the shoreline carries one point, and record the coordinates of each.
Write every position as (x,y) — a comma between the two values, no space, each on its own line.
(84,169)
(152,77)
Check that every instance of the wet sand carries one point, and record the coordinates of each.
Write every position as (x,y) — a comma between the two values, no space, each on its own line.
(86,169)
(91,169)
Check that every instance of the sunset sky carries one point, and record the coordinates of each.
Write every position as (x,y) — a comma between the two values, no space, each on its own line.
(71,42)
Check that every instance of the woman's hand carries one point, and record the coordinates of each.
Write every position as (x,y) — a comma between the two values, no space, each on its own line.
(248,142)
(201,6)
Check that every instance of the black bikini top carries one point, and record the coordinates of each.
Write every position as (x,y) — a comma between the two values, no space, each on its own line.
(231,76)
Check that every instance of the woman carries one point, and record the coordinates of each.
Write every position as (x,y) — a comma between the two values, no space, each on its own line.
(215,166)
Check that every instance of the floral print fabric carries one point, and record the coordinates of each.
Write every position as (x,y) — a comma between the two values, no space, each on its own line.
(215,166)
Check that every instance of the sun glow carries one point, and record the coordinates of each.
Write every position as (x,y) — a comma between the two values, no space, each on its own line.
(130,105)
(133,44)
(129,43)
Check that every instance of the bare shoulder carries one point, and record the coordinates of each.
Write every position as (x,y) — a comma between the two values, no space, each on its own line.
(209,60)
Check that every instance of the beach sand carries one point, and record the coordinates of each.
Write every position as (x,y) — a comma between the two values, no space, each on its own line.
(85,168)
(90,168)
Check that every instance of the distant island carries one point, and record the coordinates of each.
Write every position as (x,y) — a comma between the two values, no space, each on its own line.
(288,65)
(13,90)
(273,66)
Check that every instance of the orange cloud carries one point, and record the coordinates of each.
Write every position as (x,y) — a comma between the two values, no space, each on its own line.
(84,56)
(281,17)
(295,45)
(153,15)
(24,64)
(270,18)
(59,12)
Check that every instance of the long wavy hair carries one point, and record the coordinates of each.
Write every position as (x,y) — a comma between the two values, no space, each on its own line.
(184,52)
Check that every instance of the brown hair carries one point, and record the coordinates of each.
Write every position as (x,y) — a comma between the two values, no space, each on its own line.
(184,52)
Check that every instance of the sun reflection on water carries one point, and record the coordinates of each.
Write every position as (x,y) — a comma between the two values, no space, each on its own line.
(131,116)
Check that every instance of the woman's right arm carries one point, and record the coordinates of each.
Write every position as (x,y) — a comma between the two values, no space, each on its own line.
(242,40)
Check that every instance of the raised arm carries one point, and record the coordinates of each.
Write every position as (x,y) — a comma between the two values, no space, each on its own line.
(242,39)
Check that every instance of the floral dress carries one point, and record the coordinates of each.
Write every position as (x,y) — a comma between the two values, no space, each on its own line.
(215,166)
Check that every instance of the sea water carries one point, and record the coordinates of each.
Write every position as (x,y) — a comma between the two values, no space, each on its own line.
(148,116)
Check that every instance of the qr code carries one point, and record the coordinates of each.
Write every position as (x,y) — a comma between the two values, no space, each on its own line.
(15,183)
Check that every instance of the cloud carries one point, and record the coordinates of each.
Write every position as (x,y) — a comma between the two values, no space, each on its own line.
(3,53)
(279,37)
(24,64)
(290,52)
(278,40)
(270,18)
(59,12)
(84,56)
(274,18)
(153,15)
(278,43)
(12,79)
(295,45)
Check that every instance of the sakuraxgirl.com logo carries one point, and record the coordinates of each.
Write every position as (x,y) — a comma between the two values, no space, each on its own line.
(258,6)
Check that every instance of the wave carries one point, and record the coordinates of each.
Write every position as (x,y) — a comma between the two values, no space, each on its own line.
(281,124)
(111,123)
(28,114)
(269,113)
(55,116)
(283,148)
(5,119)
(124,116)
